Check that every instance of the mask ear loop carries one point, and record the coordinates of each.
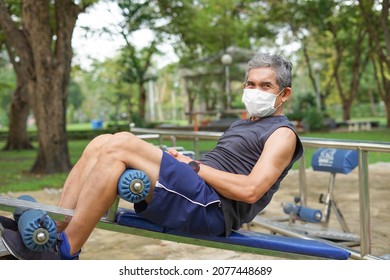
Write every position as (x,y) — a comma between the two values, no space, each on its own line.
(281,102)
(280,92)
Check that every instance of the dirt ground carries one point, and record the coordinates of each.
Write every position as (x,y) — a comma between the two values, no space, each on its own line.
(108,245)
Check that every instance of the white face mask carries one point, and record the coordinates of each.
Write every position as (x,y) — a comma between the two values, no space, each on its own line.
(260,103)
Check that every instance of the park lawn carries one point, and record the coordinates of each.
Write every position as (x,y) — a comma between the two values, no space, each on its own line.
(14,165)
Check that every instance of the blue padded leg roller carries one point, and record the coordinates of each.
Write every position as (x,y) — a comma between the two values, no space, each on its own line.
(290,209)
(37,229)
(304,213)
(310,215)
(133,185)
(19,211)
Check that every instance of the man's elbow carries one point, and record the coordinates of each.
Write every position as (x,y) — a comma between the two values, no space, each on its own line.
(252,195)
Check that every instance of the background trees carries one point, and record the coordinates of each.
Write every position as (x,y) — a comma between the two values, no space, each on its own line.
(376,19)
(19,107)
(38,35)
(340,59)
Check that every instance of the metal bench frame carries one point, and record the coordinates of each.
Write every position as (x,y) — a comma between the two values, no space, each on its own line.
(294,248)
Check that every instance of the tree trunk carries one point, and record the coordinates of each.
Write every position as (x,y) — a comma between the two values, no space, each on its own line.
(49,108)
(19,110)
(372,102)
(380,47)
(347,104)
(48,85)
(17,133)
(142,101)
(43,43)
(387,106)
(191,101)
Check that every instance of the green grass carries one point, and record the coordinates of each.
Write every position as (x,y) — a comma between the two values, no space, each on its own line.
(382,135)
(14,165)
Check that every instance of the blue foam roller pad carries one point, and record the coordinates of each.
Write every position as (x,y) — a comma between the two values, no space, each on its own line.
(304,213)
(289,208)
(310,215)
(127,179)
(19,211)
(335,160)
(258,240)
(37,229)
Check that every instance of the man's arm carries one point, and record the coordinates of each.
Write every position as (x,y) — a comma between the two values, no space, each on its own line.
(277,154)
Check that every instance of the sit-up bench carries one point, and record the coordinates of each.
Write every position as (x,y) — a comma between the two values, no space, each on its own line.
(133,186)
(242,241)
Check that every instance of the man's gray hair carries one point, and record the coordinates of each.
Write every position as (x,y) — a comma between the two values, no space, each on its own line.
(281,67)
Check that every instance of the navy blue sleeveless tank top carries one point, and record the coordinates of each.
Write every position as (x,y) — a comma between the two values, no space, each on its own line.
(237,151)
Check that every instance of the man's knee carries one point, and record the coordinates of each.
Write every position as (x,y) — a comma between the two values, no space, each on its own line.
(119,143)
(94,146)
(99,140)
(123,139)
(125,135)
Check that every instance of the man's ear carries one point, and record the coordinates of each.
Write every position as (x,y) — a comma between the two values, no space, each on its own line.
(286,93)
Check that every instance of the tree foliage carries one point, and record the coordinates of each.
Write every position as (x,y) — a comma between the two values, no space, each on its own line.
(39,42)
(340,59)
(211,26)
(376,17)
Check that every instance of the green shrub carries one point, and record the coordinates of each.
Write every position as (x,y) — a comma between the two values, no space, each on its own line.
(313,120)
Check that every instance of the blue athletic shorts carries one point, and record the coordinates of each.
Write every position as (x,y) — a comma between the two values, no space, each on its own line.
(183,201)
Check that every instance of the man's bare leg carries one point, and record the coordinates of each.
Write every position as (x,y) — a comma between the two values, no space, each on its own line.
(122,151)
(79,174)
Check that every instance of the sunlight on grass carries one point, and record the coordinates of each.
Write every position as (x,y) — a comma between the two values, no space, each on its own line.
(15,166)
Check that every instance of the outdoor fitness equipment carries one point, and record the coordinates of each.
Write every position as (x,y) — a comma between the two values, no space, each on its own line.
(37,229)
(334,161)
(133,185)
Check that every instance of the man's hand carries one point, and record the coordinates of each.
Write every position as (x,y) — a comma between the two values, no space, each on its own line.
(179,156)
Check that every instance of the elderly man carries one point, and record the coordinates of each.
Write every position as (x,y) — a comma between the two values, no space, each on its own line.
(226,188)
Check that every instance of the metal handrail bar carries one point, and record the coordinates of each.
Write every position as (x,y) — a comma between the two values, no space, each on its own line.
(182,134)
(363,147)
(173,135)
(368,146)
